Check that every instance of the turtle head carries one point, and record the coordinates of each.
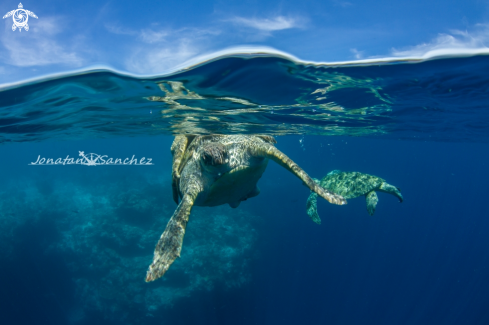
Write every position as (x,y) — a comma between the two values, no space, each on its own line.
(214,155)
(334,172)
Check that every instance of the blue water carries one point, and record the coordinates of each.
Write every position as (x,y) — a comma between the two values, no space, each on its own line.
(444,99)
(76,240)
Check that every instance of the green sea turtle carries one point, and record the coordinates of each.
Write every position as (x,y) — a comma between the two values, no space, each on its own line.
(351,185)
(213,170)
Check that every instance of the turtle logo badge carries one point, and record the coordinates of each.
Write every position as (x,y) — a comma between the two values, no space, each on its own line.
(20,17)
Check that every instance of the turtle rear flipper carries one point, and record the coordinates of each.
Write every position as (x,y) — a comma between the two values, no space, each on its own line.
(269,151)
(170,244)
(253,193)
(311,206)
(372,199)
(387,188)
(234,205)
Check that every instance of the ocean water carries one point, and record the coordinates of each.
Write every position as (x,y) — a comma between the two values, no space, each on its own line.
(76,240)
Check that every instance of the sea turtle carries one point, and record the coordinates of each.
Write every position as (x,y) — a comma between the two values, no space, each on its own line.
(351,185)
(217,169)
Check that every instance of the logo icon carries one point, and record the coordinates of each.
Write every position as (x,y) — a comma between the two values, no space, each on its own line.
(20,17)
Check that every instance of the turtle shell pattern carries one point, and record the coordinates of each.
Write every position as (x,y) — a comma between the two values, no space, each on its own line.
(350,184)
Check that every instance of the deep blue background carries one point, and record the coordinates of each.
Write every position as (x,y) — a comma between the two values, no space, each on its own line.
(424,261)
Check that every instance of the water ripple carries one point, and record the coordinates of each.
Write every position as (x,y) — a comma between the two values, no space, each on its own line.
(442,99)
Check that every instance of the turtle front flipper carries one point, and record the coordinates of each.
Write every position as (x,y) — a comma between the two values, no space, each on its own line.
(170,244)
(269,151)
(178,147)
(372,199)
(387,188)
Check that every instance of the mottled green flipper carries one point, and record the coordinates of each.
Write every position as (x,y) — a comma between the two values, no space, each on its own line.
(389,189)
(372,199)
(170,244)
(312,205)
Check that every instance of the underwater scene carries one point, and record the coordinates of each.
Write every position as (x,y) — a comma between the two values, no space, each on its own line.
(248,189)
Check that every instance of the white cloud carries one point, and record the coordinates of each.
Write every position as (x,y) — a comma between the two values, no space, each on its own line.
(456,42)
(145,35)
(114,29)
(267,25)
(358,54)
(159,59)
(160,49)
(258,29)
(152,36)
(39,46)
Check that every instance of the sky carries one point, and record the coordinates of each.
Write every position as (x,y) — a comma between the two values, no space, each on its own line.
(152,37)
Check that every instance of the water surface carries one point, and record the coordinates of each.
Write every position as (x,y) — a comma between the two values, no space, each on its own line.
(440,99)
